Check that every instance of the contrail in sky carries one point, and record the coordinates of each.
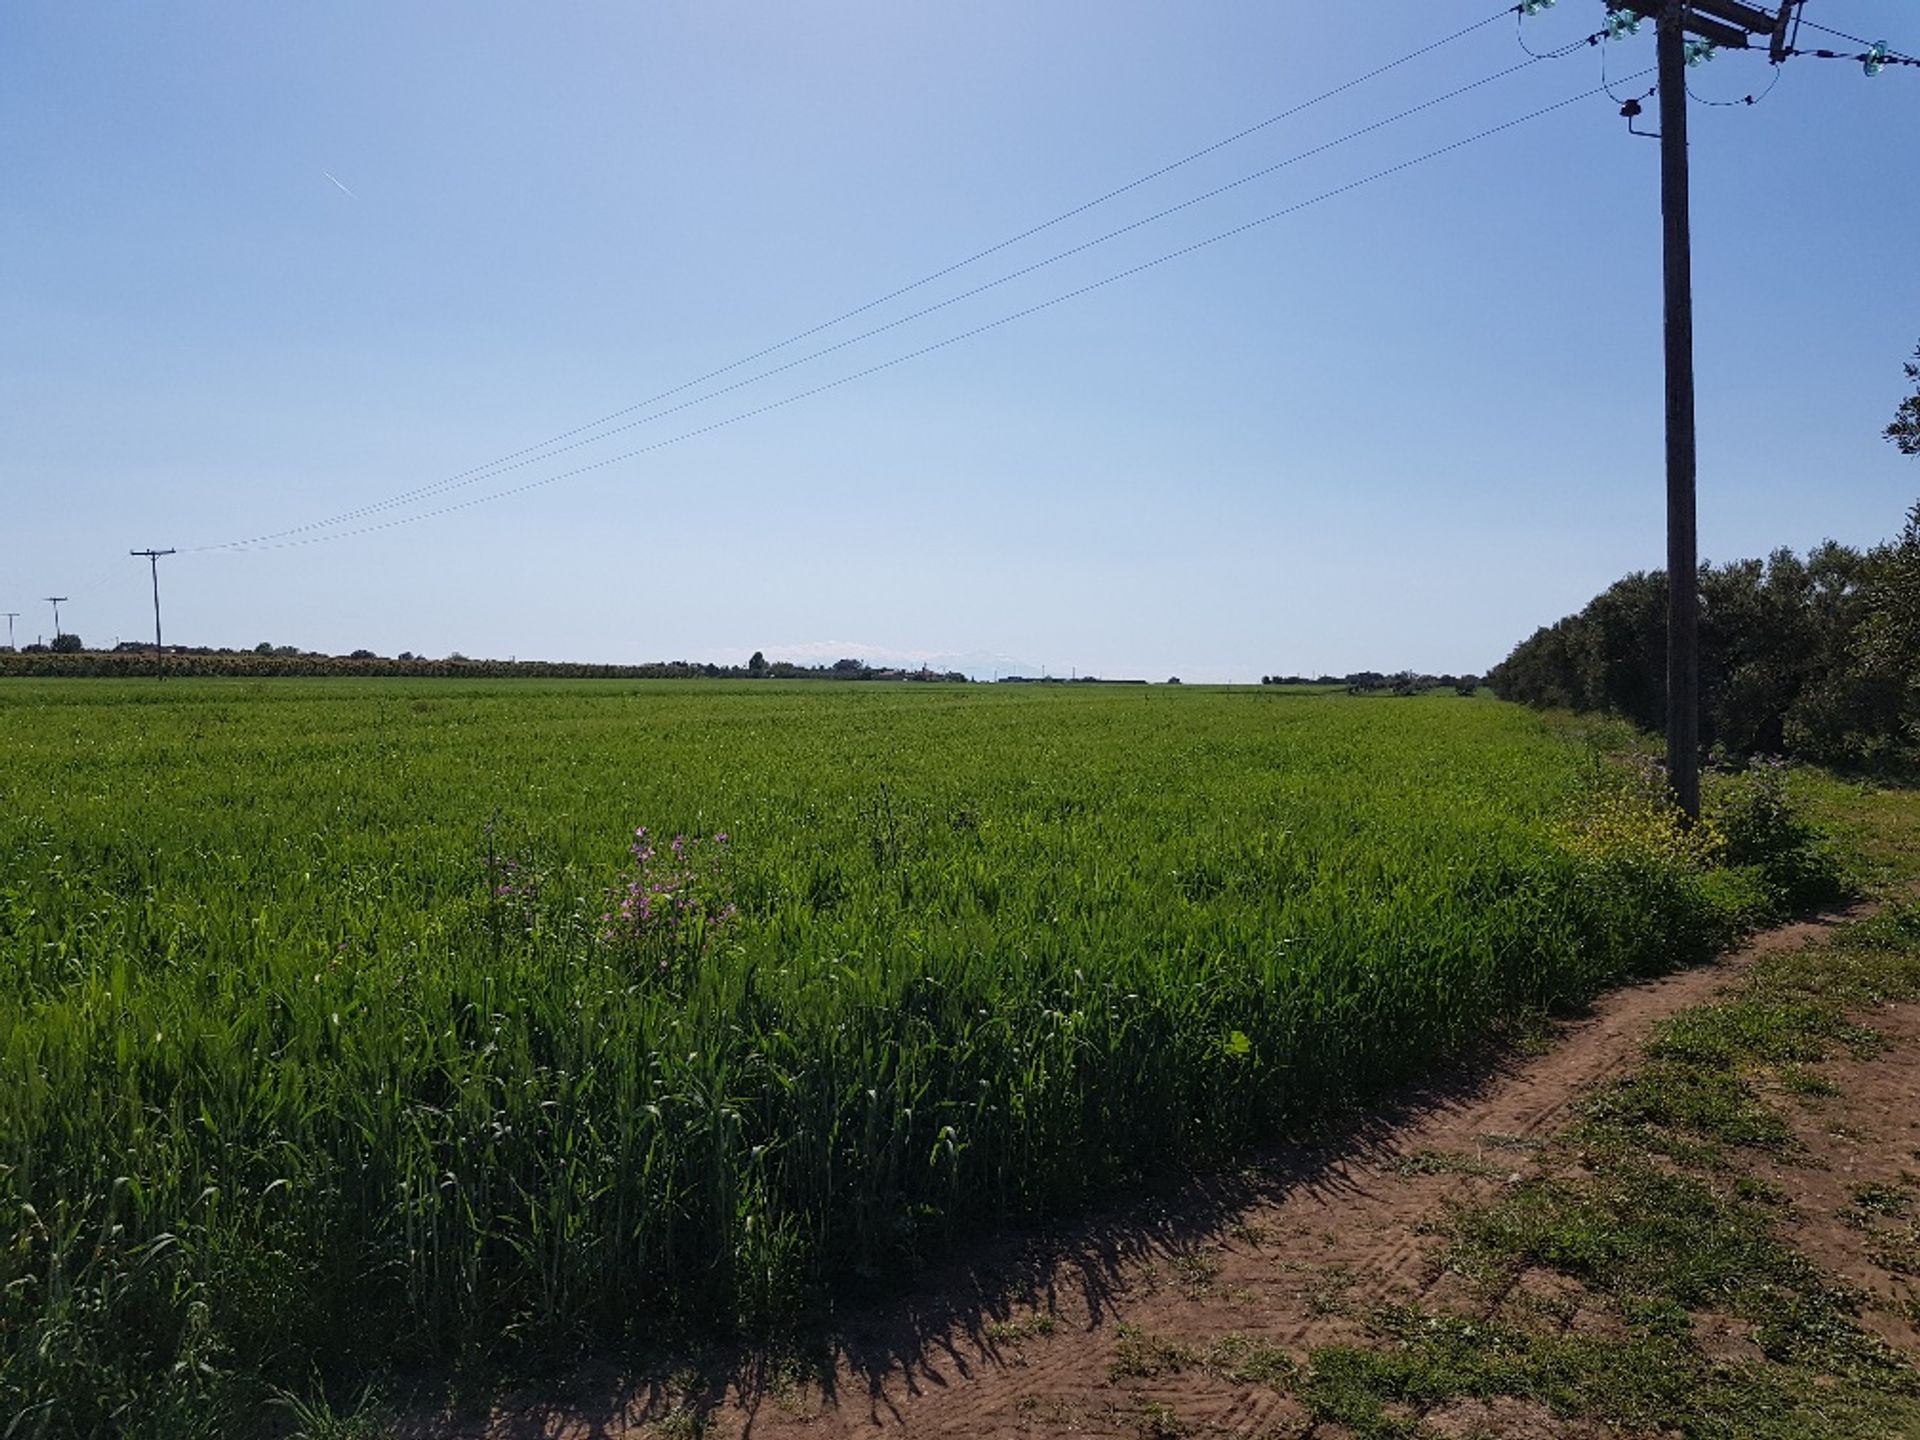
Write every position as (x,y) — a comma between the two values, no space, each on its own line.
(343,189)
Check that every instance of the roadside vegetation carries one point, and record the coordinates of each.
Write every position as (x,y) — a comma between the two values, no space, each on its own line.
(356,1028)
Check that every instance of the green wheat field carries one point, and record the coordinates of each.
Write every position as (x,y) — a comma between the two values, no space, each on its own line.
(350,1025)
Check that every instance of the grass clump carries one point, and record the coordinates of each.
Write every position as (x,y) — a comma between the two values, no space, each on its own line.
(1663,1246)
(1141,1355)
(1668,1103)
(315,1417)
(1246,1360)
(1634,1230)
(1443,1162)
(1242,1359)
(1650,1383)
(1035,1326)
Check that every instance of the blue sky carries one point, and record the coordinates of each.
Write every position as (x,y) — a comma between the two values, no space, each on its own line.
(1401,427)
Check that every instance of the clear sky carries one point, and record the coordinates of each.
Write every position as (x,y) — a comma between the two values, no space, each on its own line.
(262,264)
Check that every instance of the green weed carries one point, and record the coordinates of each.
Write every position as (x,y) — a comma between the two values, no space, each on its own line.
(1028,1327)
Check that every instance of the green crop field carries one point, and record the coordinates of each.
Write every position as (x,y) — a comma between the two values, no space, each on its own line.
(349,1026)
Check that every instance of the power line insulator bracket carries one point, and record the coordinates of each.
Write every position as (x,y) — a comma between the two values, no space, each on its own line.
(1632,111)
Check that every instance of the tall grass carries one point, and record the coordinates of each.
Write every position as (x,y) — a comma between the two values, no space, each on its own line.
(318,1050)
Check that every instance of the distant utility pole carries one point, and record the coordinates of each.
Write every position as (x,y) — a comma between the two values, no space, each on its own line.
(55,601)
(1716,24)
(152,557)
(12,615)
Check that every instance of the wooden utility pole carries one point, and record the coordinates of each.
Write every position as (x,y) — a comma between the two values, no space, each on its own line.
(1683,565)
(1729,24)
(55,600)
(12,615)
(152,557)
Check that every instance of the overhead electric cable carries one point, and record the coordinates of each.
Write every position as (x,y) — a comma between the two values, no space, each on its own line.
(553,451)
(280,544)
(1558,52)
(1843,35)
(1065,215)
(1606,84)
(1875,60)
(1747,99)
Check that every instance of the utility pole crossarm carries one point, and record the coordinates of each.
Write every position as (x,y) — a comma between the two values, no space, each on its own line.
(1725,22)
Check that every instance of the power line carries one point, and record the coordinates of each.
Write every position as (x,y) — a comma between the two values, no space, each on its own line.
(1559,52)
(503,462)
(552,451)
(1872,58)
(1606,84)
(280,543)
(1747,99)
(1843,35)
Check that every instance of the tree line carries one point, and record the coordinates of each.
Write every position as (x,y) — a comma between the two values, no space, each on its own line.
(1365,682)
(1814,656)
(271,661)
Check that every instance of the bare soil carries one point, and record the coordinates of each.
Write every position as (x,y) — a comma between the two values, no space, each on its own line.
(1025,1337)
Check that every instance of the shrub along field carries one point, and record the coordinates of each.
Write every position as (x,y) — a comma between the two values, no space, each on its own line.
(351,1025)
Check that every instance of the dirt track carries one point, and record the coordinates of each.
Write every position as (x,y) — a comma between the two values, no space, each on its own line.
(1020,1338)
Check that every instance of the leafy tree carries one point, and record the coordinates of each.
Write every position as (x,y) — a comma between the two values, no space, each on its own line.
(1817,657)
(758,664)
(1905,429)
(1890,635)
(67,645)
